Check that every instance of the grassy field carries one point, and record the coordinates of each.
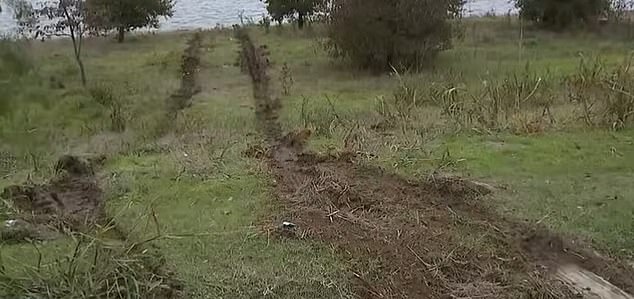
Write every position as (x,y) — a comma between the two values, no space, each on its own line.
(210,201)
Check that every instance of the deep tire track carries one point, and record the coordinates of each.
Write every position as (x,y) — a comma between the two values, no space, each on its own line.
(412,239)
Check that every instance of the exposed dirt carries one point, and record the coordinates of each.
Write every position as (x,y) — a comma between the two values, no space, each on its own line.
(190,67)
(71,200)
(413,239)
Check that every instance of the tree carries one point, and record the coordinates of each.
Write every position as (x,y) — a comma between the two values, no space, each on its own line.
(561,14)
(288,9)
(63,18)
(380,34)
(127,15)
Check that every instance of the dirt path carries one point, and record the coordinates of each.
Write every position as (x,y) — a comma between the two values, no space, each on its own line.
(409,239)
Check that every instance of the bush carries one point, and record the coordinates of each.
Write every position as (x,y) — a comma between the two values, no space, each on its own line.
(382,34)
(293,10)
(561,14)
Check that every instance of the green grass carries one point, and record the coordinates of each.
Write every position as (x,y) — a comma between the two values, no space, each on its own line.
(213,241)
(210,200)
(574,182)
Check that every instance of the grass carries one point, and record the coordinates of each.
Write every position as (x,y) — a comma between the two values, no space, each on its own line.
(210,200)
(570,181)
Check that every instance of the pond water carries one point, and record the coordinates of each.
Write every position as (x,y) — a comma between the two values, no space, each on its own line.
(190,14)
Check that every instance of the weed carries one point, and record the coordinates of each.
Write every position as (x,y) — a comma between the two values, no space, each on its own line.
(286,80)
(97,267)
(604,96)
(517,103)
(320,116)
(104,95)
(400,106)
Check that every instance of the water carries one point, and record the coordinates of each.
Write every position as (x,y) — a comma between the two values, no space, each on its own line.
(190,14)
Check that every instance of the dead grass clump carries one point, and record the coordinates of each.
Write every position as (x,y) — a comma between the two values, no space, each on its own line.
(605,97)
(286,80)
(399,107)
(319,116)
(519,103)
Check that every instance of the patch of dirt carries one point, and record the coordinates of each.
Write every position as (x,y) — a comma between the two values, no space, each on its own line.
(190,67)
(414,239)
(70,200)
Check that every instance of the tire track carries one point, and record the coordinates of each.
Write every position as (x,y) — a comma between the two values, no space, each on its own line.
(407,239)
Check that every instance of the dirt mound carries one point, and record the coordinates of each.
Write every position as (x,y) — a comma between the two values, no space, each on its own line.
(412,239)
(70,200)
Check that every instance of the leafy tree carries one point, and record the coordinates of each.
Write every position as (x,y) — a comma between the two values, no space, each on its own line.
(561,14)
(381,34)
(289,9)
(127,15)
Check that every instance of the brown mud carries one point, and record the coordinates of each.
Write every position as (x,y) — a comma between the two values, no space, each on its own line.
(414,239)
(70,200)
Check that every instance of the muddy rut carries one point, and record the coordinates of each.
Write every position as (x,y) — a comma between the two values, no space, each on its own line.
(71,200)
(190,67)
(419,239)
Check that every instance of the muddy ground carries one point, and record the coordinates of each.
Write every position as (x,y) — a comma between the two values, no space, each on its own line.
(416,239)
(71,200)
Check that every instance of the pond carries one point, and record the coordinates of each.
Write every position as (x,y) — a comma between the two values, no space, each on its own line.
(190,14)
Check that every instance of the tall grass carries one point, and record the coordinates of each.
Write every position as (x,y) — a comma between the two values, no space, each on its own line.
(605,96)
(523,102)
(92,267)
(15,63)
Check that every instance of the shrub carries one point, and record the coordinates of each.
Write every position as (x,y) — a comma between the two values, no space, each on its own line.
(561,14)
(293,9)
(382,34)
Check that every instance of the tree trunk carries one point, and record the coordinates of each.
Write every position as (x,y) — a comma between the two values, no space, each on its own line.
(300,20)
(82,71)
(121,34)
